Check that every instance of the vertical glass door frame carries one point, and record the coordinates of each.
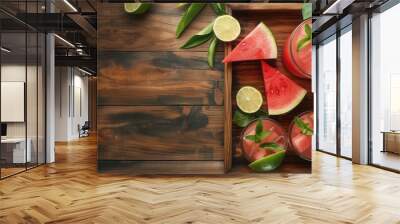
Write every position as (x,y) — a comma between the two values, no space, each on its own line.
(338,153)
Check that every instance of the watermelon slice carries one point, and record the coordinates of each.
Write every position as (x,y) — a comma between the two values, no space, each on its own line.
(257,45)
(282,94)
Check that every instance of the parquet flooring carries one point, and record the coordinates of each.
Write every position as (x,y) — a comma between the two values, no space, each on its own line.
(71,191)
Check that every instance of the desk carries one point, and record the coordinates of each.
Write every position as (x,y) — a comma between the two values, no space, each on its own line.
(15,148)
(391,141)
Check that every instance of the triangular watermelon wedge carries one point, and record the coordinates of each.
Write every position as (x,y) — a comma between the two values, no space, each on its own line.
(282,93)
(257,45)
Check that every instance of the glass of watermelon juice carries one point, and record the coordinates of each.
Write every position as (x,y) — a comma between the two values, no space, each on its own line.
(297,59)
(300,136)
(252,150)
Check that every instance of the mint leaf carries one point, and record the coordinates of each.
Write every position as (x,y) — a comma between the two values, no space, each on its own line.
(252,138)
(302,43)
(263,135)
(306,10)
(307,29)
(271,145)
(242,119)
(304,127)
(259,127)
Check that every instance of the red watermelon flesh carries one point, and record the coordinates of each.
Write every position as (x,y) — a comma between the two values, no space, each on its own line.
(282,93)
(257,45)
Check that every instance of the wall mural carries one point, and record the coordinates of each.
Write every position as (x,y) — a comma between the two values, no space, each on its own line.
(196,88)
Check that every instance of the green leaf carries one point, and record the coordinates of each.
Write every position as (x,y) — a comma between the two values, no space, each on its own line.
(191,12)
(180,5)
(272,145)
(252,138)
(304,127)
(218,8)
(307,29)
(242,119)
(199,38)
(259,127)
(263,135)
(307,10)
(211,51)
(261,113)
(302,43)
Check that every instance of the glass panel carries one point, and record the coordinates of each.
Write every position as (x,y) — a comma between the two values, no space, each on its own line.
(31,98)
(13,88)
(41,99)
(327,96)
(346,94)
(385,114)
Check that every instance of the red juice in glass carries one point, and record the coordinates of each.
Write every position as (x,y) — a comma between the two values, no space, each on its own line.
(298,60)
(301,141)
(252,150)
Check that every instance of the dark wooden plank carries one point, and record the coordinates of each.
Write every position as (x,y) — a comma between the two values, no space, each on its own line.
(282,19)
(159,78)
(153,31)
(160,133)
(161,167)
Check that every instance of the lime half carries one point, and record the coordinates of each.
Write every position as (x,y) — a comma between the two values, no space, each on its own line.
(226,28)
(136,8)
(249,99)
(268,163)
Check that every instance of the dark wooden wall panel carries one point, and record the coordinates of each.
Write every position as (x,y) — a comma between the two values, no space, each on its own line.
(159,78)
(160,133)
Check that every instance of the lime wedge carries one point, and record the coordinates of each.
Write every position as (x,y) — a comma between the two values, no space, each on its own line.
(249,99)
(269,162)
(136,8)
(226,28)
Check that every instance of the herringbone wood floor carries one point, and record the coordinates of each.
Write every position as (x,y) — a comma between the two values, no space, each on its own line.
(71,191)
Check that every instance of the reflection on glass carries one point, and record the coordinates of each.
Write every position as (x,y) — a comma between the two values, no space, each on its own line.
(346,94)
(327,96)
(14,153)
(385,89)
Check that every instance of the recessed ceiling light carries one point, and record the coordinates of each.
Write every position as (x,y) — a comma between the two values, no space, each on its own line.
(70,5)
(5,50)
(65,41)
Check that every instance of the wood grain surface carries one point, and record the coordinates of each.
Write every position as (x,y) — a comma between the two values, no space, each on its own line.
(160,108)
(282,19)
(159,78)
(160,133)
(153,31)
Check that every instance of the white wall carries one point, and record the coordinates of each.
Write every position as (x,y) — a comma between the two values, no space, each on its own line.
(70,84)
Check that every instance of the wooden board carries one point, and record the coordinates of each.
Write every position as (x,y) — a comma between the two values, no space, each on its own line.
(159,78)
(153,31)
(160,133)
(282,19)
(160,108)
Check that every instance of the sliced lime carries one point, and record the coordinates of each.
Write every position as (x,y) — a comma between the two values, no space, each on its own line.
(226,28)
(136,8)
(268,163)
(249,99)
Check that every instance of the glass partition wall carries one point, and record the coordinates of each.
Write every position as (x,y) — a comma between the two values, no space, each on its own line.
(385,90)
(334,94)
(22,87)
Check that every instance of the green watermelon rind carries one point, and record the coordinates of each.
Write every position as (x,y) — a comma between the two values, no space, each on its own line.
(300,96)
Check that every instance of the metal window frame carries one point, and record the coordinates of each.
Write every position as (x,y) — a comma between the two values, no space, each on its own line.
(339,32)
